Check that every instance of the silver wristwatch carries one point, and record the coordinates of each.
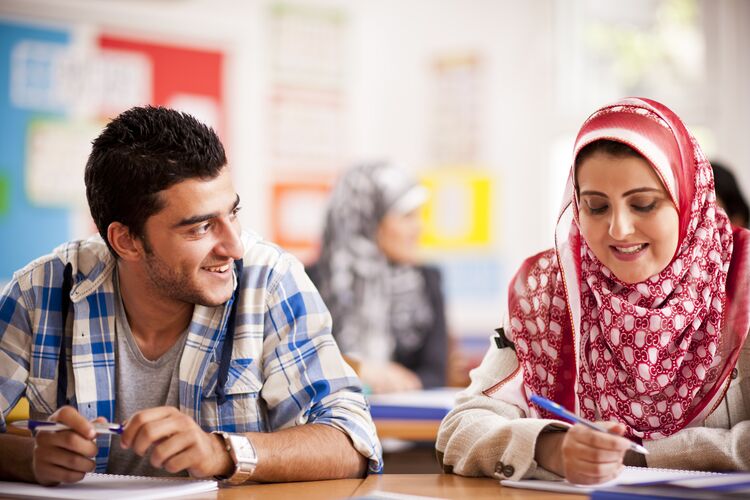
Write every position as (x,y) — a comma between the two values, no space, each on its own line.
(243,454)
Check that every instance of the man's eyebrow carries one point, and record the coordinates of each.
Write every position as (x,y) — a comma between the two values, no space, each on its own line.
(626,193)
(196,219)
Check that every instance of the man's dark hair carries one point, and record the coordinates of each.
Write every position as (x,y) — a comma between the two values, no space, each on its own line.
(141,152)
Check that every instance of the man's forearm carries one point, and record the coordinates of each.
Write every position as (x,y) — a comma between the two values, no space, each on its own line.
(306,453)
(16,458)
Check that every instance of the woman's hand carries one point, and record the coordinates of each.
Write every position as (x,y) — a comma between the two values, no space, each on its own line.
(583,455)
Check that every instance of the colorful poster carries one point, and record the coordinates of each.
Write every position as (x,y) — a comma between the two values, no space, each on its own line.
(307,102)
(456,109)
(458,214)
(188,79)
(61,86)
(33,230)
(298,215)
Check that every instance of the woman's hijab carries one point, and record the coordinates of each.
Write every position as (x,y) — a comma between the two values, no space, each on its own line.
(377,306)
(654,355)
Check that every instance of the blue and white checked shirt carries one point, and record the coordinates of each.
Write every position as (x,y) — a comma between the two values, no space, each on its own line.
(286,369)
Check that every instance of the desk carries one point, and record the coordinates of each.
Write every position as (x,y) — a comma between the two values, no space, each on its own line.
(413,415)
(408,430)
(435,485)
(394,418)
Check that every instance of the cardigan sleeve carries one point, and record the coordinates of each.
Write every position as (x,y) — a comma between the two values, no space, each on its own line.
(484,436)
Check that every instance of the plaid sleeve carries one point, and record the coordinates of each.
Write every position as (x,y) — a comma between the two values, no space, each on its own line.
(15,343)
(306,378)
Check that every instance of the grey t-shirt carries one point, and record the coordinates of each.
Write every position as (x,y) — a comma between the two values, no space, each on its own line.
(140,383)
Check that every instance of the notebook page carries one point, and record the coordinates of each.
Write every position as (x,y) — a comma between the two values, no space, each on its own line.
(111,487)
(630,475)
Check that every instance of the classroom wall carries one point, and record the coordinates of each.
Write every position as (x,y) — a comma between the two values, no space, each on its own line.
(533,89)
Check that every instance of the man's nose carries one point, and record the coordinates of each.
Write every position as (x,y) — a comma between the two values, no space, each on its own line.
(230,243)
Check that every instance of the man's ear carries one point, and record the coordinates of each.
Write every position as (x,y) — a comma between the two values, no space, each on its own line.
(127,246)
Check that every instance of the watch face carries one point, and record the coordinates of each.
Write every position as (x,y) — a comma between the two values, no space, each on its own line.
(243,449)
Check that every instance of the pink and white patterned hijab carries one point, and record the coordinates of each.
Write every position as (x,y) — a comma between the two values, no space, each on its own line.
(654,355)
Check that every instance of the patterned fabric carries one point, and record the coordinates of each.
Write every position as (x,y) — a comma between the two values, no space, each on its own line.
(653,354)
(285,369)
(377,306)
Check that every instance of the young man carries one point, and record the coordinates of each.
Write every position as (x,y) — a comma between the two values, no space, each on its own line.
(210,345)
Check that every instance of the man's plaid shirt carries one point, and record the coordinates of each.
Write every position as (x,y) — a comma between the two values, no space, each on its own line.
(285,370)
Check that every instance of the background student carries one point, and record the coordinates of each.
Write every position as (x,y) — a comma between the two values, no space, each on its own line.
(728,195)
(388,313)
(637,318)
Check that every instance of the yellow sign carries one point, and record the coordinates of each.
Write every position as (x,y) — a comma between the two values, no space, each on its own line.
(458,214)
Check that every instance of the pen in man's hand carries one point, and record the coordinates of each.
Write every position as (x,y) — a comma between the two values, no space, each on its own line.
(41,425)
(558,410)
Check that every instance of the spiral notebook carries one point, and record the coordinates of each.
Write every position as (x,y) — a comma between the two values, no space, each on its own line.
(629,475)
(111,487)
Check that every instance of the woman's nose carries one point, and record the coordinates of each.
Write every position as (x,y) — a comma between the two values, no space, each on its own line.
(620,224)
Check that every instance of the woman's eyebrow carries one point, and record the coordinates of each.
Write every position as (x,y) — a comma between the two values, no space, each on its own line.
(642,190)
(626,193)
(592,193)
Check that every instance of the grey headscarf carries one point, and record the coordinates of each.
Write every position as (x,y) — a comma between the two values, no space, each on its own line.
(377,306)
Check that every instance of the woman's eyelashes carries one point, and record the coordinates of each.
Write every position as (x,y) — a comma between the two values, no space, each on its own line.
(596,208)
(642,206)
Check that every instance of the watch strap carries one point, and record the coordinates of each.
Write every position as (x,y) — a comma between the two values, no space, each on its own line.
(244,464)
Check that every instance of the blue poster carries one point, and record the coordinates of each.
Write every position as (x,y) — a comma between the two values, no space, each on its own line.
(28,231)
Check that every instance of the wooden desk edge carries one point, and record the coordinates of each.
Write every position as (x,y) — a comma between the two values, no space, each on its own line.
(410,430)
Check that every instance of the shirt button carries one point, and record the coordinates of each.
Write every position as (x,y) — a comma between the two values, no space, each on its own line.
(508,470)
(735,372)
(499,467)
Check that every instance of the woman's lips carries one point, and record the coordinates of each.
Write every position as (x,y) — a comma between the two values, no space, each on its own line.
(628,252)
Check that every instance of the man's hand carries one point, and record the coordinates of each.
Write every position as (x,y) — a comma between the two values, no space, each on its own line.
(176,443)
(388,377)
(64,456)
(583,455)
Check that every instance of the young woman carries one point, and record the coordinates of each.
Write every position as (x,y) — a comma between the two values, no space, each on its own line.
(388,314)
(637,319)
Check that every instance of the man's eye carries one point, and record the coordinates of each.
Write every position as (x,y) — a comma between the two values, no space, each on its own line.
(235,211)
(202,229)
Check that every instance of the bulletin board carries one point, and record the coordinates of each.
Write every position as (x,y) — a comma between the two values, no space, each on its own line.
(63,85)
(298,216)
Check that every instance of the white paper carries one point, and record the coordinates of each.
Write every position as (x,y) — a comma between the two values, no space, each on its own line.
(111,487)
(630,475)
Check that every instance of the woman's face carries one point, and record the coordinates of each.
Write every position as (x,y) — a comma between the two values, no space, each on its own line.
(398,236)
(626,216)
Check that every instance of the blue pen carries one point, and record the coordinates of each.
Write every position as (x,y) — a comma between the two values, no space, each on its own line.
(558,410)
(40,425)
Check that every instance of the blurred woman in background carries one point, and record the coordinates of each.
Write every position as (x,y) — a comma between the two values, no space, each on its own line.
(388,314)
